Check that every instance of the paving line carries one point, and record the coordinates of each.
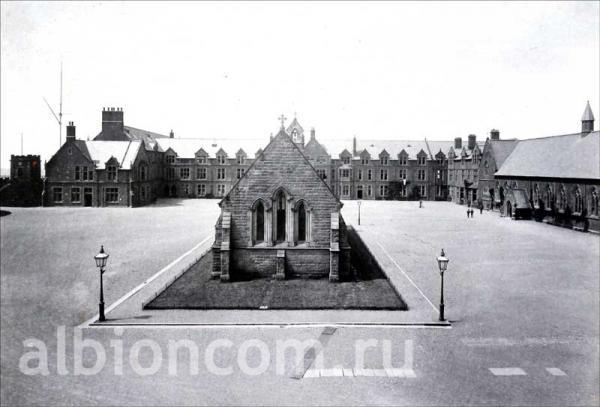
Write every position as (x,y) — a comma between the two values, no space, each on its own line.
(344,372)
(145,283)
(278,325)
(407,277)
(554,371)
(507,371)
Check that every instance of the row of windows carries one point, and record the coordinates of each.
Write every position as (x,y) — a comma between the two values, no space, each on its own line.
(221,159)
(111,194)
(383,174)
(402,160)
(201,173)
(84,174)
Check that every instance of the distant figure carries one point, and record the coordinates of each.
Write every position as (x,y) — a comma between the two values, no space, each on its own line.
(420,203)
(468,211)
(480,207)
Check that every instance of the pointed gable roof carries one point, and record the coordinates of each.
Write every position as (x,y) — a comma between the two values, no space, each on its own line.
(294,125)
(301,164)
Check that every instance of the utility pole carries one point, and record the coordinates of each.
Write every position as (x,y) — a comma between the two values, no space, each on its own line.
(60,114)
(21,143)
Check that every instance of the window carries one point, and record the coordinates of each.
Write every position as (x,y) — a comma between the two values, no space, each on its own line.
(111,194)
(383,175)
(421,175)
(171,173)
(202,159)
(369,175)
(201,173)
(69,151)
(259,223)
(369,190)
(201,189)
(84,173)
(75,195)
(220,173)
(364,161)
(450,175)
(57,194)
(422,160)
(346,190)
(594,203)
(346,160)
(90,174)
(221,159)
(383,160)
(184,173)
(144,172)
(439,190)
(170,159)
(240,173)
(112,173)
(402,174)
(280,205)
(536,196)
(142,193)
(422,191)
(240,160)
(578,201)
(345,173)
(360,177)
(562,199)
(403,190)
(549,197)
(322,174)
(302,218)
(220,190)
(403,160)
(440,160)
(383,190)
(77,176)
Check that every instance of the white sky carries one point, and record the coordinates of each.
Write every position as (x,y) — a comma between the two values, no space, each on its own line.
(375,70)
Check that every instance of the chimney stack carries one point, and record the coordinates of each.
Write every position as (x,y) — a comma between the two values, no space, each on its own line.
(457,143)
(171,134)
(354,146)
(587,120)
(70,132)
(112,123)
(495,134)
(312,134)
(472,141)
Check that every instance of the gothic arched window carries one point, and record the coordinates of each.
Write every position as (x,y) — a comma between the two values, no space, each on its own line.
(260,222)
(301,222)
(562,199)
(578,201)
(280,214)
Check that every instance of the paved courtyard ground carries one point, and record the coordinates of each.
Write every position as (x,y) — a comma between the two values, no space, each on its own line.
(523,298)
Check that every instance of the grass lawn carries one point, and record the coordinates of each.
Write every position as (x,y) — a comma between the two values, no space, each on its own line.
(196,290)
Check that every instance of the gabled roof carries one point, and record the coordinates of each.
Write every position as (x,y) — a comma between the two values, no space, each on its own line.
(187,147)
(501,149)
(125,152)
(394,147)
(294,125)
(567,156)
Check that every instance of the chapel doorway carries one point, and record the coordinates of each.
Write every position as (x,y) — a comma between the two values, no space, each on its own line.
(87,197)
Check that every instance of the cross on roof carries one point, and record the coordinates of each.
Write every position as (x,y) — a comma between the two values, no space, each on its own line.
(283,119)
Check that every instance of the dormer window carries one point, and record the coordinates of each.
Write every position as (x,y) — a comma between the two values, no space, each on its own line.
(221,159)
(364,161)
(170,159)
(346,160)
(202,159)
(421,160)
(112,173)
(240,160)
(402,160)
(383,160)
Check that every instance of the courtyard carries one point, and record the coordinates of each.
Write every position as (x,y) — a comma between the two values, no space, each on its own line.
(522,298)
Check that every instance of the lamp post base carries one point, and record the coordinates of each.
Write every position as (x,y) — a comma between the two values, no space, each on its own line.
(101,317)
(442,312)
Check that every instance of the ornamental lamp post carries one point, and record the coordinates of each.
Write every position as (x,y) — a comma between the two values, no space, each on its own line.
(101,263)
(359,202)
(442,264)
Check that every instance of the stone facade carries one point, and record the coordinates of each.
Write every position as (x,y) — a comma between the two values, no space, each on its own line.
(24,187)
(281,219)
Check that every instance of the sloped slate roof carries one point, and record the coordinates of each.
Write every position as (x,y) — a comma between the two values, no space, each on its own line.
(567,156)
(187,147)
(394,147)
(501,149)
(124,151)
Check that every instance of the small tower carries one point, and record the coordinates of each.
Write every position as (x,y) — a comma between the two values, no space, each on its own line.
(296,132)
(587,120)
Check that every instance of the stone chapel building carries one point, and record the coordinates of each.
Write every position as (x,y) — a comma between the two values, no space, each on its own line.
(282,219)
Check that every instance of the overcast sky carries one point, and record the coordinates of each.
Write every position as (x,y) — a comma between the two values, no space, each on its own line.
(374,70)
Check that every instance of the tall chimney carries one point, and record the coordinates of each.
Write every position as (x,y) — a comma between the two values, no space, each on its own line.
(354,145)
(587,120)
(112,123)
(472,140)
(312,134)
(171,134)
(457,143)
(495,134)
(70,132)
